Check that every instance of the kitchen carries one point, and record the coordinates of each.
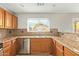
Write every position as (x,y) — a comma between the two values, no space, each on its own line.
(39,29)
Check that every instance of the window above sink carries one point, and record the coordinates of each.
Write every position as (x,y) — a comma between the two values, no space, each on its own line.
(38,25)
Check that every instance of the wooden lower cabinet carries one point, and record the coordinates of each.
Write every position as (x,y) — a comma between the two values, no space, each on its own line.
(1,52)
(13,48)
(40,46)
(53,47)
(59,49)
(7,48)
(18,45)
(68,52)
(63,51)
(7,51)
(59,52)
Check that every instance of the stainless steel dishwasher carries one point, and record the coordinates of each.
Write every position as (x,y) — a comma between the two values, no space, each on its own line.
(25,47)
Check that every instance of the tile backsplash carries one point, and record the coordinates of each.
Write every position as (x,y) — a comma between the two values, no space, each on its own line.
(3,33)
(10,32)
(6,33)
(23,32)
(20,32)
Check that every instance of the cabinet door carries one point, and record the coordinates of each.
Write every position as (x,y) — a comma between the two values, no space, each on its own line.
(59,52)
(59,49)
(53,47)
(1,18)
(13,47)
(45,45)
(7,48)
(35,46)
(18,45)
(8,20)
(14,22)
(68,52)
(41,46)
(7,51)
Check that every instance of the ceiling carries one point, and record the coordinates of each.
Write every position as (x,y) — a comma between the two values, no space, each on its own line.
(42,7)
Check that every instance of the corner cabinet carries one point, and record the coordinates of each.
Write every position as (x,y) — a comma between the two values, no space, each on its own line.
(1,18)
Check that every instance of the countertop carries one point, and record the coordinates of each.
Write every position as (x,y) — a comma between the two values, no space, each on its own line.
(71,41)
(15,37)
(71,44)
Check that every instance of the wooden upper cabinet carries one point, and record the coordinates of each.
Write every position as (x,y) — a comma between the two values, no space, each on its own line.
(8,20)
(1,18)
(15,20)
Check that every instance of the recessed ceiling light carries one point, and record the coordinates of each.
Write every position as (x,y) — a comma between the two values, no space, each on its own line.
(21,5)
(40,4)
(54,5)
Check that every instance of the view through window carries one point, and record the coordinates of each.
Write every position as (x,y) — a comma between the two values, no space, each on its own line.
(38,25)
(77,26)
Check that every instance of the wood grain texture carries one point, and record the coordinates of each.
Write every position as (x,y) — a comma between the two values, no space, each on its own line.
(1,18)
(8,20)
(40,46)
(68,52)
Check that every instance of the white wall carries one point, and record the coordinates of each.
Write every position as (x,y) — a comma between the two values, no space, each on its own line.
(62,21)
